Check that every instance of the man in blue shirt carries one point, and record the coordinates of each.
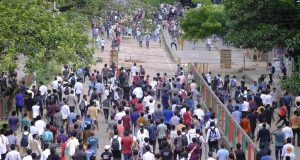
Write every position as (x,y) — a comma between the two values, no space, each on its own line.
(89,152)
(267,156)
(168,114)
(222,153)
(152,133)
(165,100)
(93,141)
(71,116)
(47,136)
(134,116)
(287,100)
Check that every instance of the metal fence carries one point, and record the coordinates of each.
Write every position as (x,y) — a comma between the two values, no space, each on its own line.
(4,110)
(233,132)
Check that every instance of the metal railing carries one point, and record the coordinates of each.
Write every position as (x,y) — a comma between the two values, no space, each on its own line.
(230,128)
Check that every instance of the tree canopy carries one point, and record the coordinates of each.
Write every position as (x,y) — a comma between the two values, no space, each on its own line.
(29,27)
(263,24)
(199,23)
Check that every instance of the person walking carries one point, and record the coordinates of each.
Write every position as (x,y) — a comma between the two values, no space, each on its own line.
(212,137)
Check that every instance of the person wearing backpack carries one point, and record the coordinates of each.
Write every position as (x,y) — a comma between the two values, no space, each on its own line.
(178,148)
(83,105)
(116,146)
(212,137)
(25,139)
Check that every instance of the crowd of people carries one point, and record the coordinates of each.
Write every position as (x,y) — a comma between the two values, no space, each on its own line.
(259,108)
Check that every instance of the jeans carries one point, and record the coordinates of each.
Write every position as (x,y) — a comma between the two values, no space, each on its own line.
(278,150)
(265,144)
(127,156)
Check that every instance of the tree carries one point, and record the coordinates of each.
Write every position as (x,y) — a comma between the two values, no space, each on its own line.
(30,28)
(263,24)
(199,23)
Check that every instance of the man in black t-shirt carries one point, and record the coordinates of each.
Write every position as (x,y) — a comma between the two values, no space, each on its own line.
(240,155)
(106,155)
(166,152)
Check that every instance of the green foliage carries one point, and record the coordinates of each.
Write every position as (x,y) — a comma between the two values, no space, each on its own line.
(29,27)
(203,2)
(263,24)
(158,2)
(199,23)
(92,7)
(291,84)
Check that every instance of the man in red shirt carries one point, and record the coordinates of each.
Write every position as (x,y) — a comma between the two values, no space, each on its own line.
(127,142)
(187,117)
(126,121)
(133,101)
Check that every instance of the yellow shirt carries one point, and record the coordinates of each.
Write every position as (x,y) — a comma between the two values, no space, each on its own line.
(93,112)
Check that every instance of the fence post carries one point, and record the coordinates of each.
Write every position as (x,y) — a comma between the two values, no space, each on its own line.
(223,118)
(231,130)
(1,107)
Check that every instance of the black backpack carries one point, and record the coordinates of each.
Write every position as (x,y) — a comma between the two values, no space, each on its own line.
(24,140)
(184,140)
(82,105)
(178,143)
(115,145)
(67,91)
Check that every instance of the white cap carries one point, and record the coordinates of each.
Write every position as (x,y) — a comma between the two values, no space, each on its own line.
(107,147)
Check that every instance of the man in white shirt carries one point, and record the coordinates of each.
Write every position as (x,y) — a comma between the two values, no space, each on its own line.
(199,112)
(288,147)
(134,69)
(138,92)
(78,87)
(65,111)
(181,78)
(43,89)
(116,151)
(46,152)
(40,125)
(13,154)
(288,133)
(35,110)
(208,77)
(3,143)
(193,86)
(268,99)
(263,97)
(55,83)
(148,155)
(72,144)
(28,157)
(245,106)
(119,115)
(212,138)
